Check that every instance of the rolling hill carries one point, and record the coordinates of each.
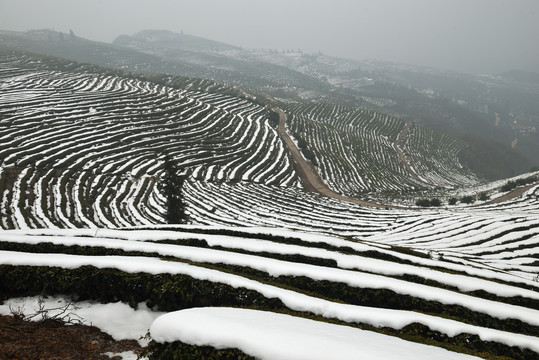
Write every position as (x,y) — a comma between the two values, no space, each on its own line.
(493,115)
(82,151)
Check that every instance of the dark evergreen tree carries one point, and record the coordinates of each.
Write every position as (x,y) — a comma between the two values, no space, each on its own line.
(435,202)
(273,117)
(484,196)
(172,184)
(468,199)
(423,202)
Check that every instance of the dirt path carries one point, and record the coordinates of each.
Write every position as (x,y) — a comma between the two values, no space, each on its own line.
(51,340)
(511,195)
(397,145)
(312,181)
(309,174)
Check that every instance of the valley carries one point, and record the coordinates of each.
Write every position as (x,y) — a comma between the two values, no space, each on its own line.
(308,219)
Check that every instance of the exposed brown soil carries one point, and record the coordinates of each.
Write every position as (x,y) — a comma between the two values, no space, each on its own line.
(53,340)
(309,174)
(312,181)
(398,145)
(512,194)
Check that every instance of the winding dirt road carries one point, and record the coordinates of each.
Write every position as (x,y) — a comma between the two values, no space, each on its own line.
(398,144)
(312,181)
(309,174)
(511,195)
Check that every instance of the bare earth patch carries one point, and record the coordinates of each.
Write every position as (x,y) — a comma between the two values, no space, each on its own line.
(51,339)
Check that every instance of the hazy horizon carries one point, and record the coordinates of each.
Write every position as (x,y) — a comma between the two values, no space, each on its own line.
(472,36)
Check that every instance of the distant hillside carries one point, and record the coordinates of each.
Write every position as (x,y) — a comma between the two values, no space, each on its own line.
(494,110)
(112,132)
(523,76)
(492,159)
(168,39)
(85,154)
(490,109)
(78,49)
(227,63)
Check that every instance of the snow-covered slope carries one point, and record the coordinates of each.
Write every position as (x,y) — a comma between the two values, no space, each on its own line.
(285,337)
(330,278)
(81,154)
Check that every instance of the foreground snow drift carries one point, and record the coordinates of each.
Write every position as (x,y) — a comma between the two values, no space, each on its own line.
(116,319)
(379,317)
(268,335)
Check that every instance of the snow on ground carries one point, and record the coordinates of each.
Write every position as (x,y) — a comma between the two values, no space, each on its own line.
(396,319)
(126,355)
(278,267)
(111,239)
(285,337)
(118,320)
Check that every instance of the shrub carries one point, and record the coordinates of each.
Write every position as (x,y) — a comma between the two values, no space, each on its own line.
(510,185)
(513,184)
(468,199)
(309,155)
(301,143)
(435,202)
(423,202)
(172,184)
(273,118)
(428,203)
(484,196)
(452,201)
(180,350)
(166,292)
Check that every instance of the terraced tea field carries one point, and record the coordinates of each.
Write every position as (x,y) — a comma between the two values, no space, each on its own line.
(455,303)
(361,152)
(82,214)
(81,150)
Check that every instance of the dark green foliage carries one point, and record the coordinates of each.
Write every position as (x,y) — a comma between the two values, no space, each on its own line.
(510,185)
(301,142)
(468,199)
(379,298)
(435,202)
(309,155)
(181,351)
(466,343)
(302,145)
(423,202)
(172,184)
(384,298)
(274,238)
(173,292)
(474,344)
(50,248)
(526,181)
(452,201)
(295,258)
(513,184)
(484,196)
(166,292)
(428,203)
(102,251)
(273,118)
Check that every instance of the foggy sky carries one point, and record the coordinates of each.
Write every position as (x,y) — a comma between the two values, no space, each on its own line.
(474,36)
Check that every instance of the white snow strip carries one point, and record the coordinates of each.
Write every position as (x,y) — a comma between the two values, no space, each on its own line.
(278,267)
(272,336)
(118,320)
(396,319)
